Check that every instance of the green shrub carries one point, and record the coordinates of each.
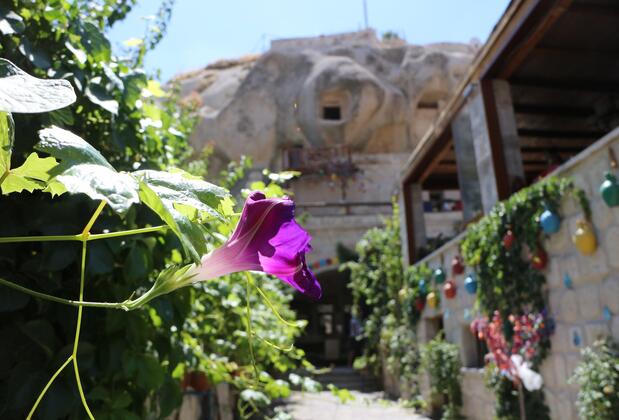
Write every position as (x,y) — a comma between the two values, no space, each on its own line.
(441,360)
(597,375)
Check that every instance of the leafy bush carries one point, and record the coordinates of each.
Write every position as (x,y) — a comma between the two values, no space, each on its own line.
(131,363)
(441,360)
(597,375)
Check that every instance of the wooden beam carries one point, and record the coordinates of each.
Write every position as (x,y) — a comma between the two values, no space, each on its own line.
(553,110)
(561,134)
(494,135)
(536,34)
(585,86)
(440,149)
(544,142)
(408,218)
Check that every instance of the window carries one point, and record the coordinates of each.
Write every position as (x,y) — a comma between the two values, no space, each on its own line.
(332,113)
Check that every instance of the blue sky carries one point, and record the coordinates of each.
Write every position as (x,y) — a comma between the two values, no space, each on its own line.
(202,31)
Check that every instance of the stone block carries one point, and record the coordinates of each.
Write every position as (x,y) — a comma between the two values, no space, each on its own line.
(558,243)
(581,181)
(615,327)
(568,309)
(560,340)
(611,246)
(601,214)
(564,407)
(547,370)
(560,372)
(554,275)
(592,268)
(554,300)
(589,302)
(609,293)
(595,331)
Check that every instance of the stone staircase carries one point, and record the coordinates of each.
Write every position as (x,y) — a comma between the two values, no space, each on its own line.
(347,377)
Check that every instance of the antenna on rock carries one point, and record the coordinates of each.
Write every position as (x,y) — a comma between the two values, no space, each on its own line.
(365,13)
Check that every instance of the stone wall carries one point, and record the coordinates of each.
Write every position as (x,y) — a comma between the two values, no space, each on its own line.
(578,310)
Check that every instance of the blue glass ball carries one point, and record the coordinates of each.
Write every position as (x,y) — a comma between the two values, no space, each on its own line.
(423,288)
(550,222)
(470,284)
(567,281)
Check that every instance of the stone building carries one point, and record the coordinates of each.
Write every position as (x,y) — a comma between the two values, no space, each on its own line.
(540,97)
(345,110)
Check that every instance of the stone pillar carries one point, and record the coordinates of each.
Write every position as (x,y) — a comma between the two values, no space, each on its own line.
(413,221)
(497,145)
(467,165)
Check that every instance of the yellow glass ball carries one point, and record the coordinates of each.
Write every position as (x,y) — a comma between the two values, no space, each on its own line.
(432,300)
(584,238)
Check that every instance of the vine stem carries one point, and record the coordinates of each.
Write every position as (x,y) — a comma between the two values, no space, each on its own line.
(77,303)
(79,318)
(249,332)
(80,237)
(49,383)
(272,307)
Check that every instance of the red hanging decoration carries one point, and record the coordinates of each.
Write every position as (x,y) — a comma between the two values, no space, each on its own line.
(540,259)
(450,289)
(508,239)
(457,266)
(420,303)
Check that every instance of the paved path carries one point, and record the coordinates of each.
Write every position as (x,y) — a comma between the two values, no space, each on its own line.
(366,406)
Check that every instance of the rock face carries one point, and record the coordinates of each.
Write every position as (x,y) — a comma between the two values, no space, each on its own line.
(348,89)
(346,110)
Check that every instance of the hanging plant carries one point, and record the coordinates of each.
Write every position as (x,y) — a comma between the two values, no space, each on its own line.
(457,266)
(584,238)
(450,289)
(549,221)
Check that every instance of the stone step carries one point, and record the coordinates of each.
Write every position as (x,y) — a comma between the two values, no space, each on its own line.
(344,377)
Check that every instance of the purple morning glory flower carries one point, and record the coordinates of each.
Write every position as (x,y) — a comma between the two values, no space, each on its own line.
(267,238)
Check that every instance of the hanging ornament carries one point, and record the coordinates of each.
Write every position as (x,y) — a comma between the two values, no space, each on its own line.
(608,315)
(432,300)
(584,238)
(549,221)
(508,240)
(467,315)
(439,275)
(420,304)
(470,284)
(610,190)
(567,281)
(423,288)
(540,259)
(450,289)
(457,266)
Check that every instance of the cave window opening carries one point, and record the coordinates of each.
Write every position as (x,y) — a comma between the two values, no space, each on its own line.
(331,113)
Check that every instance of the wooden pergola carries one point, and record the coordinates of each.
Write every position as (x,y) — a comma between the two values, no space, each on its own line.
(544,87)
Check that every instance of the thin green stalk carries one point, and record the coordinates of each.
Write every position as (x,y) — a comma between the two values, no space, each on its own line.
(47,385)
(93,218)
(77,303)
(249,333)
(52,238)
(126,232)
(272,344)
(79,326)
(272,307)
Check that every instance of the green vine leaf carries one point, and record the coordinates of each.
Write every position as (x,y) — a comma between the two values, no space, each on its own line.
(20,92)
(84,170)
(32,175)
(7,136)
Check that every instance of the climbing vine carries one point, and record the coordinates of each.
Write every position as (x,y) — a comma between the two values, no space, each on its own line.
(505,248)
